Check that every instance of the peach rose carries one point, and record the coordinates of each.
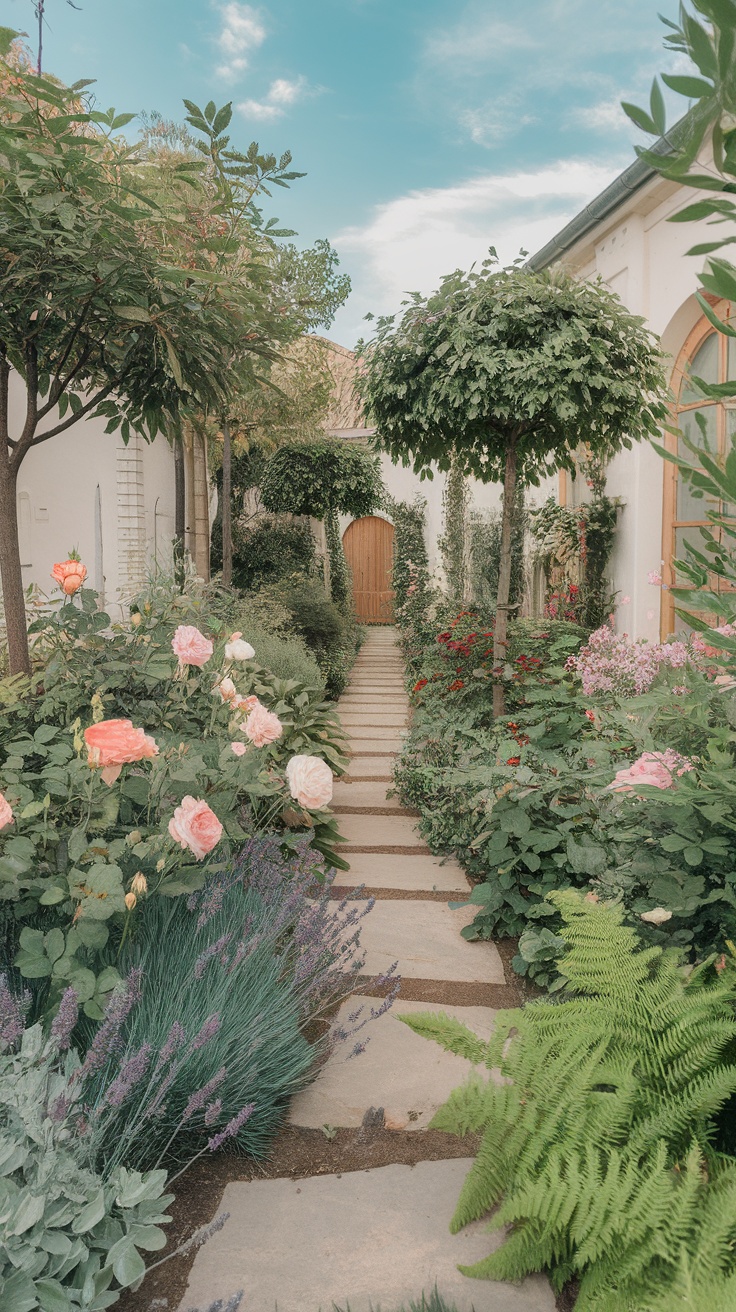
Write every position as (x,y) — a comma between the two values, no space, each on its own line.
(652,770)
(239,748)
(195,826)
(237,649)
(191,646)
(6,812)
(263,726)
(310,781)
(111,744)
(70,575)
(227,690)
(245,703)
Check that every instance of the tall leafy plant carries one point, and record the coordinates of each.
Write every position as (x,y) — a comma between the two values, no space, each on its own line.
(507,371)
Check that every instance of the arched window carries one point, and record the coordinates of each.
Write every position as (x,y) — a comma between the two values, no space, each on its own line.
(710,425)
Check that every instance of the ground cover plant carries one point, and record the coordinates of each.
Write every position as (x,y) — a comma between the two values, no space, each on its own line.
(598,1143)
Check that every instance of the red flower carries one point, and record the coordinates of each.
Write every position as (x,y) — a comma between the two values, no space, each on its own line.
(421,683)
(457,685)
(514,760)
(591,716)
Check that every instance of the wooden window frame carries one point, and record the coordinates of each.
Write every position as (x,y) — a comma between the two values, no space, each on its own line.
(670,524)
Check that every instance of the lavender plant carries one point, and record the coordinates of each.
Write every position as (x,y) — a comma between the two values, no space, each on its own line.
(256,956)
(72,1232)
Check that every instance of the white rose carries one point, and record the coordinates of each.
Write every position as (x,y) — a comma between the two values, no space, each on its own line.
(657,916)
(227,690)
(237,649)
(310,781)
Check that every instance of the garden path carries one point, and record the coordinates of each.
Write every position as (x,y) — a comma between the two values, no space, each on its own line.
(377,1237)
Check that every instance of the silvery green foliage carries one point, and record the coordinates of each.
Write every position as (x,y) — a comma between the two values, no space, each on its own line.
(69,1238)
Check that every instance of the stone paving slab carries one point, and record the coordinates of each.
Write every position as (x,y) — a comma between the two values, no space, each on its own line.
(362,766)
(368,831)
(376,746)
(364,793)
(383,719)
(374,731)
(404,871)
(410,1077)
(365,1238)
(424,937)
(374,688)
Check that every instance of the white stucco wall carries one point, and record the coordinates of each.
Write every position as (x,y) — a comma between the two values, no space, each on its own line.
(86,490)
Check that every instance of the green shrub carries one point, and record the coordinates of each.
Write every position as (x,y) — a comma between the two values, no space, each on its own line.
(269,550)
(330,634)
(597,1142)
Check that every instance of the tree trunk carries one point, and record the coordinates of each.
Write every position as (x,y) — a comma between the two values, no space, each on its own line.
(500,630)
(10,571)
(227,506)
(180,491)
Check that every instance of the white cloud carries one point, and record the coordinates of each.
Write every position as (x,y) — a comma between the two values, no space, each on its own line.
(280,96)
(476,40)
(495,121)
(410,242)
(605,116)
(241,32)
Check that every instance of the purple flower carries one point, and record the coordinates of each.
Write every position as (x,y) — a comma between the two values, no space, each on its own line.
(130,1073)
(108,1037)
(11,1015)
(232,1127)
(207,1032)
(173,1041)
(65,1019)
(59,1109)
(213,1112)
(203,1095)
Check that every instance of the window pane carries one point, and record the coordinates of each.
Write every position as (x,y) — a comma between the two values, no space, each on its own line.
(688,422)
(704,364)
(683,535)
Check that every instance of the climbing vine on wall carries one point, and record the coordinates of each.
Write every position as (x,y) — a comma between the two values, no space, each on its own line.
(411,562)
(574,545)
(484,555)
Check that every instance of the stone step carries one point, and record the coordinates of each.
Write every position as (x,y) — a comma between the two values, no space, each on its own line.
(364,1239)
(365,831)
(408,872)
(365,794)
(386,719)
(378,766)
(375,731)
(424,938)
(374,746)
(409,1076)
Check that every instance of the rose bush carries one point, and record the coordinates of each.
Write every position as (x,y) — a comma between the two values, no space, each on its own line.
(120,763)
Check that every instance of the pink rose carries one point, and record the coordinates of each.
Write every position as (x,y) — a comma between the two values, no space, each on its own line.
(655,578)
(195,826)
(111,744)
(310,781)
(263,726)
(191,646)
(6,812)
(652,770)
(239,748)
(227,690)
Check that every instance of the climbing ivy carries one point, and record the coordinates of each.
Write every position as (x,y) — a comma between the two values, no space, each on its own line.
(452,543)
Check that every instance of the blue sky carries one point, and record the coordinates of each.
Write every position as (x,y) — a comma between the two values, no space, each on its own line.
(428,130)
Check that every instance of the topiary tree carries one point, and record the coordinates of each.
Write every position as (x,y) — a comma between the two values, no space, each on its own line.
(508,371)
(324,479)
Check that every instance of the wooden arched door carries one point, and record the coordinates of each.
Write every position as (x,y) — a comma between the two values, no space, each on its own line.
(369,550)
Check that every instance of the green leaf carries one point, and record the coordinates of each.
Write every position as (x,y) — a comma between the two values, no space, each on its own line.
(52,1296)
(692,87)
(129,1267)
(657,109)
(693,855)
(91,1215)
(639,117)
(133,313)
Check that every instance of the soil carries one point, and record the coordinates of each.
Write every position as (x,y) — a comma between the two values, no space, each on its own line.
(338,892)
(297,1153)
(415,849)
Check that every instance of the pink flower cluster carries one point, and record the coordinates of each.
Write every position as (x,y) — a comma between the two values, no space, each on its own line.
(611,663)
(652,770)
(704,648)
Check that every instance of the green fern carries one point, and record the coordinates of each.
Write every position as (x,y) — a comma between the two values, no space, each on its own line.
(597,1124)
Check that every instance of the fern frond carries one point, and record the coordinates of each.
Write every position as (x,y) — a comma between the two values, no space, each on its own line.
(449,1032)
(465,1112)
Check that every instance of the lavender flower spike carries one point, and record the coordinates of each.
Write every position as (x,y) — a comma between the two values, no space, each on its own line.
(232,1127)
(65,1020)
(207,1032)
(131,1072)
(203,1095)
(11,1016)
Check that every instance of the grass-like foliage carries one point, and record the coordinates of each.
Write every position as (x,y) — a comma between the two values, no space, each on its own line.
(597,1144)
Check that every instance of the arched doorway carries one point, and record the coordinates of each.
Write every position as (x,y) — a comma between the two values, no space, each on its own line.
(369,550)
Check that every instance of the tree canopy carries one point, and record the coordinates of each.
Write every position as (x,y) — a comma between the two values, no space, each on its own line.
(319,478)
(541,356)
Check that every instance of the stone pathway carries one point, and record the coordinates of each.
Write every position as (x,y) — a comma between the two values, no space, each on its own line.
(376,1238)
